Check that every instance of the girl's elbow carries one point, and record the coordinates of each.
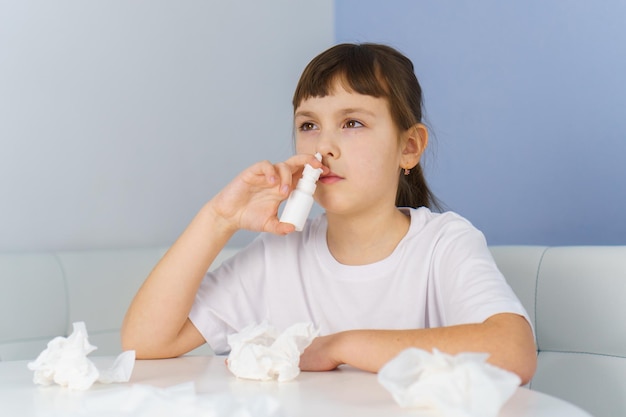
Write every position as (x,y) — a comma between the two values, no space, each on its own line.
(521,361)
(132,340)
(516,351)
(522,364)
(143,350)
(527,367)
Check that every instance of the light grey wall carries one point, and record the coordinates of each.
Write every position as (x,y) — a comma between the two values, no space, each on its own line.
(119,119)
(528,103)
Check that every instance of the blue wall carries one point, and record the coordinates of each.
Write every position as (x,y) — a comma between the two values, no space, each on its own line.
(527,105)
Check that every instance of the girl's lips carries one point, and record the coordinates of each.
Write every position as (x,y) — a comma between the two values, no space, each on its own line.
(330,178)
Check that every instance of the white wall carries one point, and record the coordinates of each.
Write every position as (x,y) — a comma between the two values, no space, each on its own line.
(118,119)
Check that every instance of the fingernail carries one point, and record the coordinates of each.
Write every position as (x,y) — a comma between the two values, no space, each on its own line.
(284,189)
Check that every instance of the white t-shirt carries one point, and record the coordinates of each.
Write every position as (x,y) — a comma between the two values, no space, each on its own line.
(440,274)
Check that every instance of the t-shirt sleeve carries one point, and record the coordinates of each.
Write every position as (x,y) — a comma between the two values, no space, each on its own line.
(471,287)
(230,297)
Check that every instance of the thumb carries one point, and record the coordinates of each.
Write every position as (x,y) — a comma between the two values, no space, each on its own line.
(279,228)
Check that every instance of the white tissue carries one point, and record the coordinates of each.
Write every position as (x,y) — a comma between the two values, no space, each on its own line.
(260,352)
(65,362)
(464,385)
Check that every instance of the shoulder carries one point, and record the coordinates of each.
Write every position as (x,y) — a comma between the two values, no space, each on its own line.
(448,237)
(424,221)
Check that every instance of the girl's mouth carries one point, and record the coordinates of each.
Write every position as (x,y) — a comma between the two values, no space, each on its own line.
(330,178)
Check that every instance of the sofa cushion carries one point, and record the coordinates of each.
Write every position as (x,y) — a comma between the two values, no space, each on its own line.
(575,295)
(581,295)
(595,383)
(33,304)
(101,285)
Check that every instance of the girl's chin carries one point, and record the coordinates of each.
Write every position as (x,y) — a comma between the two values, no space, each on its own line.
(334,207)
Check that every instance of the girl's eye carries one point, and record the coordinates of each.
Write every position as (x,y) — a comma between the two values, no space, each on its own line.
(306,126)
(351,124)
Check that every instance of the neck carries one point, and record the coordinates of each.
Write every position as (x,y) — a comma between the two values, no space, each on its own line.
(365,238)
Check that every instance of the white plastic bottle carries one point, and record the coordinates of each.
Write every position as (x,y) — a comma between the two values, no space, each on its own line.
(300,200)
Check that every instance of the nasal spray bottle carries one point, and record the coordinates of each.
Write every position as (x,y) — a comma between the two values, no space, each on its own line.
(300,200)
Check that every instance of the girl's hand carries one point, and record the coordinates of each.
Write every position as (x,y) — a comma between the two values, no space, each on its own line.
(322,354)
(252,199)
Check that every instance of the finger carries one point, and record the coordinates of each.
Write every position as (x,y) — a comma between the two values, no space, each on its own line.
(298,161)
(276,227)
(268,171)
(286,177)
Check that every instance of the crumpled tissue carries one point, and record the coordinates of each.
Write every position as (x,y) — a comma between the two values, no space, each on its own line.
(65,362)
(462,385)
(260,352)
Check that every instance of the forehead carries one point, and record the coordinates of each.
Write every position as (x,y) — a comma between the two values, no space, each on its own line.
(362,78)
(342,97)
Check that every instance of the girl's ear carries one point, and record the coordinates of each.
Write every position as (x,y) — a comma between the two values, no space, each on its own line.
(414,142)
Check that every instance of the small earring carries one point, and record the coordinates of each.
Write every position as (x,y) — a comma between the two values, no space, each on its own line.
(407,171)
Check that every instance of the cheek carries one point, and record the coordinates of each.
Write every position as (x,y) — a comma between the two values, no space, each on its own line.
(383,160)
(383,169)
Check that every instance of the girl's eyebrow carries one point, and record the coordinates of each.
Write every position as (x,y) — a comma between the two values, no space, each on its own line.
(304,113)
(343,112)
(357,110)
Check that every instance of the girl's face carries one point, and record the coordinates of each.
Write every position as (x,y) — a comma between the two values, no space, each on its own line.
(360,144)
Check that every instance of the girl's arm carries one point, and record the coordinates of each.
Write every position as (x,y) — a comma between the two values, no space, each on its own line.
(506,337)
(156,324)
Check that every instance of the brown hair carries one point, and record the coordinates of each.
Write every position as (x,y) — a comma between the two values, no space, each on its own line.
(379,71)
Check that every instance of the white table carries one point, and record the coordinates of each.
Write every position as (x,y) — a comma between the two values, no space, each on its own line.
(344,392)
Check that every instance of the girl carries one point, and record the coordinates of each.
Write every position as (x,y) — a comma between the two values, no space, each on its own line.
(377,272)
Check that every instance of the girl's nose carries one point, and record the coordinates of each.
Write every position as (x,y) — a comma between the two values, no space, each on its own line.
(328,146)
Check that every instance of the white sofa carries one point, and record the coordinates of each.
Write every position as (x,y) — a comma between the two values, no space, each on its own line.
(574,295)
(576,298)
(42,294)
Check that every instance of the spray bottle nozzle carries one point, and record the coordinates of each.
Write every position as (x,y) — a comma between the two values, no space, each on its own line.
(313,173)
